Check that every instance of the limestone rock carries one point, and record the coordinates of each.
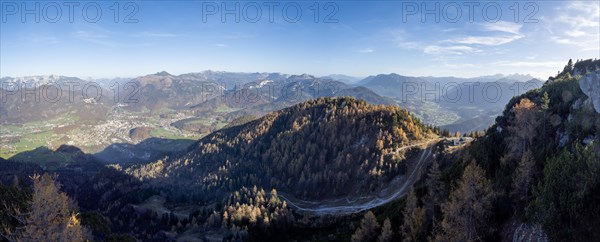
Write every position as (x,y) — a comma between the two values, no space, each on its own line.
(590,85)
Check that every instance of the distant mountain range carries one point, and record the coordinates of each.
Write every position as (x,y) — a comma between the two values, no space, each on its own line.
(489,78)
(100,115)
(343,78)
(201,91)
(452,102)
(26,99)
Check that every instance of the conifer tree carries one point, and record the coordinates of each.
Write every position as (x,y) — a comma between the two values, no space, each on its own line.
(368,229)
(523,179)
(467,207)
(414,218)
(523,127)
(434,186)
(386,232)
(51,217)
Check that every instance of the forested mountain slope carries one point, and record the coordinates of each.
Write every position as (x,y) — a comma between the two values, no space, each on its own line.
(317,149)
(534,176)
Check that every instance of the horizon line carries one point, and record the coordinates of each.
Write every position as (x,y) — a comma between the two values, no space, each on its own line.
(266,72)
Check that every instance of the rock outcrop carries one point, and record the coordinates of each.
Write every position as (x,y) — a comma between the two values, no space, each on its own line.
(590,85)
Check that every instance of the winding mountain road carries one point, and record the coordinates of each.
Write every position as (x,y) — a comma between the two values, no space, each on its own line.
(398,187)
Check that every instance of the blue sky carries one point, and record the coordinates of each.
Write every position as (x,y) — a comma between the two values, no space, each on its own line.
(369,37)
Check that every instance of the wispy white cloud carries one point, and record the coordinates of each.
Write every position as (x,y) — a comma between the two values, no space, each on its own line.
(222,45)
(157,35)
(410,45)
(576,33)
(448,30)
(93,37)
(105,38)
(485,40)
(531,57)
(503,26)
(582,44)
(402,40)
(459,66)
(590,7)
(589,12)
(577,23)
(237,36)
(498,33)
(366,50)
(43,39)
(562,40)
(544,64)
(89,35)
(485,36)
(453,49)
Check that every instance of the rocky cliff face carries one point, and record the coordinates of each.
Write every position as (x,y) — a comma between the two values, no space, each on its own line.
(590,85)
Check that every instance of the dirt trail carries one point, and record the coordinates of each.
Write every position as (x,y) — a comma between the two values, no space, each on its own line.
(399,186)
